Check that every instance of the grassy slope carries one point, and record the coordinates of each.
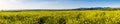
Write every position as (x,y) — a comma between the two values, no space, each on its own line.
(61,17)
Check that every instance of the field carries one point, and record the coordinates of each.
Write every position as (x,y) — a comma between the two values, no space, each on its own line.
(61,17)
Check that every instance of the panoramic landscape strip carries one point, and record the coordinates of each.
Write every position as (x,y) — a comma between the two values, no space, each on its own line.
(60,17)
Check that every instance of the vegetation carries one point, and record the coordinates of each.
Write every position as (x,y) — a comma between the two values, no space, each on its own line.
(61,17)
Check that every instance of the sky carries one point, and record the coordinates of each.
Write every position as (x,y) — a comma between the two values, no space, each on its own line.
(55,4)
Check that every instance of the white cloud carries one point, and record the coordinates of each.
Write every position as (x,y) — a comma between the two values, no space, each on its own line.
(9,4)
(19,4)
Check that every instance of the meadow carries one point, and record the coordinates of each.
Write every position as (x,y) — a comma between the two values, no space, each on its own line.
(61,17)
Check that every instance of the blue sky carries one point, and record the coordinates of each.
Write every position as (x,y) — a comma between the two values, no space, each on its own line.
(56,4)
(100,3)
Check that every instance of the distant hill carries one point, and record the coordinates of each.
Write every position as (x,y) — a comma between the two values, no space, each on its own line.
(92,8)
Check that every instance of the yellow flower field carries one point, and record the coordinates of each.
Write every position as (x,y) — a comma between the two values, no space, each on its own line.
(61,17)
